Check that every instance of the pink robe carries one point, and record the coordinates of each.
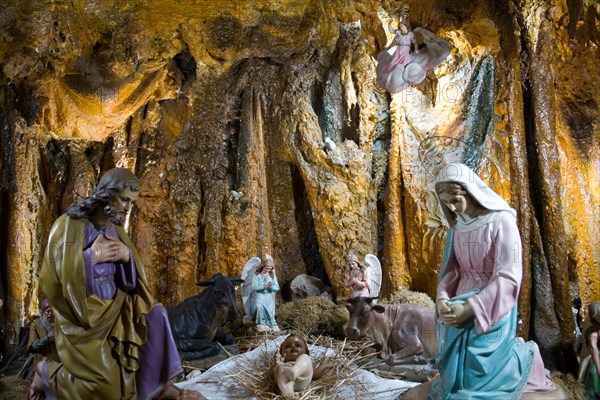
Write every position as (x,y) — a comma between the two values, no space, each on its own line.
(402,53)
(489,258)
(358,289)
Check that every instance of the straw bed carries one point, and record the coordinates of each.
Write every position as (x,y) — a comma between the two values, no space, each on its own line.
(257,379)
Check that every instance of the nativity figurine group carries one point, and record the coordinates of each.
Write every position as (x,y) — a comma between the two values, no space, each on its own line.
(363,278)
(41,335)
(116,341)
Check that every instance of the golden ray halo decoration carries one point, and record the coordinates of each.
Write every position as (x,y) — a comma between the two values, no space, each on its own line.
(79,171)
(435,152)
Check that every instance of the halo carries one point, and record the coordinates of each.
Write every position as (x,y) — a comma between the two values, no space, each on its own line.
(437,151)
(104,153)
(404,16)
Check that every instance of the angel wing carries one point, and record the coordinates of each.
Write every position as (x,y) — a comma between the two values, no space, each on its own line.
(248,273)
(373,274)
(436,50)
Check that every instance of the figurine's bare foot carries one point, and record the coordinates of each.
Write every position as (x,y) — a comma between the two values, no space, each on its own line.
(556,394)
(418,392)
(36,388)
(172,392)
(290,395)
(263,328)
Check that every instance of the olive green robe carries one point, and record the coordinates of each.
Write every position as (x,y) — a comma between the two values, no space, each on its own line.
(98,340)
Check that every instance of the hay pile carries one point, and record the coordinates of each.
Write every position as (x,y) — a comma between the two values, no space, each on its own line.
(314,315)
(12,387)
(572,388)
(252,341)
(405,296)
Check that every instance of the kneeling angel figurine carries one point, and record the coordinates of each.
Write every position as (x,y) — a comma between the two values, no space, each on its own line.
(364,278)
(258,293)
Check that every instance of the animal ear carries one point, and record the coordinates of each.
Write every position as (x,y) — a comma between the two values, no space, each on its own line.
(378,308)
(349,306)
(237,281)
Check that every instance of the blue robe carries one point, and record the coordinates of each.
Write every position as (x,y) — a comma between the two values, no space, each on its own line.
(262,302)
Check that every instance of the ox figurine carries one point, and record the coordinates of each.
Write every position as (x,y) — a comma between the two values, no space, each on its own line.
(195,321)
(404,333)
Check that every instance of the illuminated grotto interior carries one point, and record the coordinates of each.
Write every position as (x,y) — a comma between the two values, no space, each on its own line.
(222,109)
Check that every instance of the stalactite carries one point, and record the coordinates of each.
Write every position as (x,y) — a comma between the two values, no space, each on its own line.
(549,183)
(519,182)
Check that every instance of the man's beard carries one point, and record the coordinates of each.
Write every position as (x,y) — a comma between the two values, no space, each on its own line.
(116,217)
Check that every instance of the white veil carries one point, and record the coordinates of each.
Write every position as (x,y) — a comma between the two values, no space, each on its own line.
(460,173)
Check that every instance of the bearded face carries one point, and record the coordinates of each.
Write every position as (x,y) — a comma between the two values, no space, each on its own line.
(119,205)
(116,217)
(47,313)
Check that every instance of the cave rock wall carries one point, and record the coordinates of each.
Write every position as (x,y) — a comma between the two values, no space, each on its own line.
(223,108)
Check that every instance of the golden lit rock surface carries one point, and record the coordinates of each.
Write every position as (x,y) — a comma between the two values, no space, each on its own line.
(223,108)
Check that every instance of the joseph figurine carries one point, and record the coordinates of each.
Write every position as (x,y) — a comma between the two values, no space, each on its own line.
(114,341)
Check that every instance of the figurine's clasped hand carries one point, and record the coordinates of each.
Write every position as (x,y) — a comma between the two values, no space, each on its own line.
(444,312)
(455,314)
(462,312)
(442,307)
(108,249)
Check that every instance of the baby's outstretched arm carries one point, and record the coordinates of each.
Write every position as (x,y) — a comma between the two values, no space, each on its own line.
(325,366)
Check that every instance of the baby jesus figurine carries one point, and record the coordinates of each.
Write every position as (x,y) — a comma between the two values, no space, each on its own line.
(293,370)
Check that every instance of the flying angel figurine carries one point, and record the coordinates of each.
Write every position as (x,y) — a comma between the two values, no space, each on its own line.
(258,293)
(363,278)
(410,55)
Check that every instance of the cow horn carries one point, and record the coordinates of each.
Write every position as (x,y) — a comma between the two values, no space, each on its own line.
(237,281)
(211,281)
